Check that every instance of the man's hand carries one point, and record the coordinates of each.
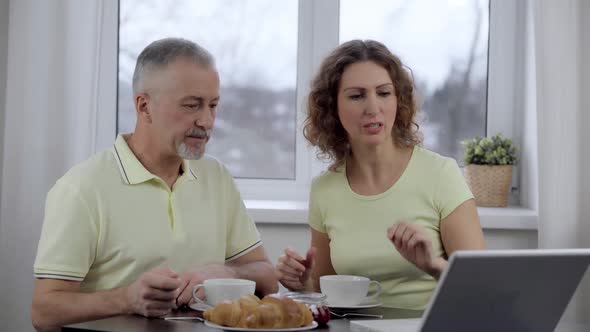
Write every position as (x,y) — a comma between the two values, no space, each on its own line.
(154,293)
(196,276)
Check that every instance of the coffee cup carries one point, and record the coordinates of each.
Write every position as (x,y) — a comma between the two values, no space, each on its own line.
(217,290)
(347,290)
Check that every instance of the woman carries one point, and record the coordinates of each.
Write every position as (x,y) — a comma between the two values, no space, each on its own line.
(387,208)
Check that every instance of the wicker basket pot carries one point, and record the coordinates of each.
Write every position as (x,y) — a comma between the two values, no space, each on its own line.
(489,184)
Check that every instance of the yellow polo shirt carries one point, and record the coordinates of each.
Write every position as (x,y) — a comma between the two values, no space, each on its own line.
(108,220)
(429,189)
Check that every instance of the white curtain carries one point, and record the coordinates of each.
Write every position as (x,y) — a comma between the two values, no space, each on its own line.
(561,38)
(50,124)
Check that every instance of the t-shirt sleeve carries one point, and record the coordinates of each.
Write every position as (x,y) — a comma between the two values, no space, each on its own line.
(315,218)
(452,190)
(242,235)
(69,237)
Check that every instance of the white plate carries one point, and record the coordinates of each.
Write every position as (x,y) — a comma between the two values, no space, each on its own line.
(313,325)
(199,306)
(360,306)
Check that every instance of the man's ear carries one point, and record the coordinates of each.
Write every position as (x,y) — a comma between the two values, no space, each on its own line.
(141,107)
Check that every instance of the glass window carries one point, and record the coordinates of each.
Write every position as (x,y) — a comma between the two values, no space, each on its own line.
(255,46)
(445,44)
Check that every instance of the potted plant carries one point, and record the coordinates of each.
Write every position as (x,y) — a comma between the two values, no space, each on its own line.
(488,169)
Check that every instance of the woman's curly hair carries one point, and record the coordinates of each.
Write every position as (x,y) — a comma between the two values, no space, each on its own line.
(322,127)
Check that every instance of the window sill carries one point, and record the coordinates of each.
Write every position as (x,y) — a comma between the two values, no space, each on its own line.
(295,212)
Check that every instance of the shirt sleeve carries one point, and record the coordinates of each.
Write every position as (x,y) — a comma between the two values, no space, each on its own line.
(452,190)
(315,218)
(242,235)
(67,247)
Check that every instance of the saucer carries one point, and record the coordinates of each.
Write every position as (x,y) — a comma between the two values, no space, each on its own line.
(311,326)
(364,305)
(199,306)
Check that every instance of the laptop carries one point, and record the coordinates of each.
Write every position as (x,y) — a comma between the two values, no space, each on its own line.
(498,290)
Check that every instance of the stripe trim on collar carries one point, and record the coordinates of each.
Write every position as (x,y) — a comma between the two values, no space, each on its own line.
(121,164)
(193,173)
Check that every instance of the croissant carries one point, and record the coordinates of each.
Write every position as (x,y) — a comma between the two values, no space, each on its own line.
(251,312)
(248,304)
(228,312)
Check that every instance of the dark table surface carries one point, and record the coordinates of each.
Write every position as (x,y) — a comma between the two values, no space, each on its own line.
(138,323)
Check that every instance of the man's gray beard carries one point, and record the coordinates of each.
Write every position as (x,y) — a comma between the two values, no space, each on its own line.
(186,153)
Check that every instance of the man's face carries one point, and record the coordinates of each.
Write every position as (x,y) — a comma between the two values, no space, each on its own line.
(182,104)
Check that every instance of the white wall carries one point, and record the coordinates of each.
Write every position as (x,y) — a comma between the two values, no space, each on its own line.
(584,305)
(4,15)
(529,178)
(4,8)
(561,51)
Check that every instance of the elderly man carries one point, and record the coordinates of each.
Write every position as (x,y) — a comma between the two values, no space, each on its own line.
(133,228)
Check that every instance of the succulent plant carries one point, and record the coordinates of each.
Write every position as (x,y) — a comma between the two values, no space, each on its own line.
(495,150)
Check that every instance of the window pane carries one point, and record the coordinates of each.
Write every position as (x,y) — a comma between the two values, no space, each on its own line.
(255,46)
(445,43)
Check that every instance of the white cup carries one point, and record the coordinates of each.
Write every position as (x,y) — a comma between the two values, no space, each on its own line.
(217,290)
(343,290)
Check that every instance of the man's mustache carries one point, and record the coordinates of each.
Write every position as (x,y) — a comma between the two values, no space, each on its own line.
(199,132)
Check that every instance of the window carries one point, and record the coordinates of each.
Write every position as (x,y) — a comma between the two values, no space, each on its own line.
(255,46)
(445,44)
(268,51)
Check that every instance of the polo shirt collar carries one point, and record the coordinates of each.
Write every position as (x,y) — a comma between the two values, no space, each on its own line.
(132,171)
(190,174)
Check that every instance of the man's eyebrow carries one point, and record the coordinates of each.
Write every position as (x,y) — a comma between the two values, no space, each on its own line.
(197,99)
(192,98)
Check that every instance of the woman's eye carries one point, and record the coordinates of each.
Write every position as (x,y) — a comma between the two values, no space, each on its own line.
(356,96)
(191,106)
(384,93)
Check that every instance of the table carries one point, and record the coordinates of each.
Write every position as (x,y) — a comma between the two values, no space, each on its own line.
(138,323)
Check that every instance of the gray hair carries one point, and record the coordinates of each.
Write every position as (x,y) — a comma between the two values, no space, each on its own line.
(160,53)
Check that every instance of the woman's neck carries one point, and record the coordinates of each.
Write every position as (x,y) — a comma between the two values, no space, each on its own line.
(373,170)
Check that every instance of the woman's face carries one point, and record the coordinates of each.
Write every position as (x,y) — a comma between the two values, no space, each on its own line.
(367,104)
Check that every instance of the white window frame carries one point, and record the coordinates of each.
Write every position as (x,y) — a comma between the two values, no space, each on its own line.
(317,36)
(506,85)
(106,127)
(318,33)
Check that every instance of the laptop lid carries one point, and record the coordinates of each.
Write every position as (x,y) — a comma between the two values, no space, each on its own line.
(505,290)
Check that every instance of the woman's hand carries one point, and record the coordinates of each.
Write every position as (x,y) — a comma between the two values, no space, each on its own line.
(414,244)
(294,271)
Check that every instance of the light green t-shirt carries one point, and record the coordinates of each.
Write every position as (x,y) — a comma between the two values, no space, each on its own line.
(429,189)
(109,219)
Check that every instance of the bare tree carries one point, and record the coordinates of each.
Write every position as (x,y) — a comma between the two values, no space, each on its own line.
(458,106)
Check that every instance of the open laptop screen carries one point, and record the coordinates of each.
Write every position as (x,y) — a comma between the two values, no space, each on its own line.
(505,290)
